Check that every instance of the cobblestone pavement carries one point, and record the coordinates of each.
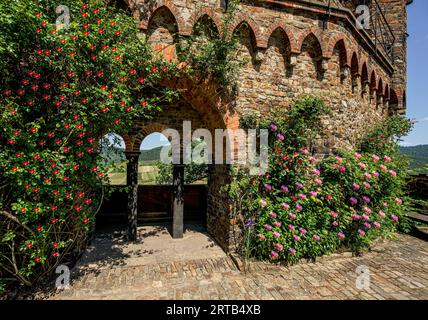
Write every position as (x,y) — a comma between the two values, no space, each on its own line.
(398,270)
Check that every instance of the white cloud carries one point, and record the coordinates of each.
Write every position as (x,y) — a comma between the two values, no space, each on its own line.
(425,119)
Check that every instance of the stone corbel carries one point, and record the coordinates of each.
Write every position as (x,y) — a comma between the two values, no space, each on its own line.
(293,59)
(373,95)
(365,87)
(345,72)
(356,82)
(324,64)
(260,56)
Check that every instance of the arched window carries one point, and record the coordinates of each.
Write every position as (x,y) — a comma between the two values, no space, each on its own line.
(112,150)
(152,169)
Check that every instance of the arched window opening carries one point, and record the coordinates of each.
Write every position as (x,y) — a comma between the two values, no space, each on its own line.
(152,169)
(112,151)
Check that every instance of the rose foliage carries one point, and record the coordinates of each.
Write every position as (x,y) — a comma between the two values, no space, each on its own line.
(61,90)
(306,206)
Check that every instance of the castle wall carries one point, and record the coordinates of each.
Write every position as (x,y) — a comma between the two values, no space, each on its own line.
(291,48)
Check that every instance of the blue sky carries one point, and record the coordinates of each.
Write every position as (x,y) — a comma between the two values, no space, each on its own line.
(417,87)
(417,71)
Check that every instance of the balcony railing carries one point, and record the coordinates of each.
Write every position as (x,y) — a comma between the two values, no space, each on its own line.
(379,28)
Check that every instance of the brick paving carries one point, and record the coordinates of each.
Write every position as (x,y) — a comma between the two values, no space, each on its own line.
(398,270)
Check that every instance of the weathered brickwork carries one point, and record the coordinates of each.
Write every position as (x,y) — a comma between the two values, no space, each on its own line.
(292,48)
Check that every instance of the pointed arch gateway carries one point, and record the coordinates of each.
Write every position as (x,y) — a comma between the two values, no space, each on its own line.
(203,105)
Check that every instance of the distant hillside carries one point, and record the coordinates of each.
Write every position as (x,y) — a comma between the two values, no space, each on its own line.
(150,156)
(116,155)
(418,156)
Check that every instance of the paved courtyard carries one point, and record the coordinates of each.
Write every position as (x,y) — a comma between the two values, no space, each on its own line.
(195,268)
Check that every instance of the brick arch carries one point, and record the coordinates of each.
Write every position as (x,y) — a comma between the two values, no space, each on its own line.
(128,142)
(393,102)
(287,30)
(380,87)
(196,16)
(143,132)
(151,9)
(355,67)
(318,36)
(386,92)
(245,19)
(364,73)
(373,81)
(338,40)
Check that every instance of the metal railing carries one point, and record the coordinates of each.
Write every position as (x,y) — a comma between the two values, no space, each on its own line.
(379,28)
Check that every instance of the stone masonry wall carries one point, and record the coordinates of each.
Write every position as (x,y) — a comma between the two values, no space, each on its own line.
(292,48)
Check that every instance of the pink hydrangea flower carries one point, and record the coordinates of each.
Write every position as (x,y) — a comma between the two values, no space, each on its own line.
(366,185)
(291,227)
(276,235)
(376,158)
(355,187)
(302,231)
(318,182)
(376,225)
(382,214)
(383,168)
(394,218)
(268,227)
(357,155)
(292,251)
(375,174)
(284,189)
(365,217)
(362,166)
(277,224)
(292,216)
(367,210)
(355,217)
(261,237)
(274,255)
(334,223)
(367,176)
(302,196)
(285,206)
(263,202)
(333,214)
(398,201)
(272,215)
(316,172)
(279,247)
(342,169)
(341,235)
(316,237)
(339,159)
(296,238)
(387,159)
(392,173)
(299,207)
(361,232)
(313,193)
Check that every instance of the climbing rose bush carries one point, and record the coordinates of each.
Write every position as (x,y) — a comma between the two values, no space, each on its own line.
(61,91)
(305,207)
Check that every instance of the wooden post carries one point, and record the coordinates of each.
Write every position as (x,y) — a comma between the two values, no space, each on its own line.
(178,201)
(132,184)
